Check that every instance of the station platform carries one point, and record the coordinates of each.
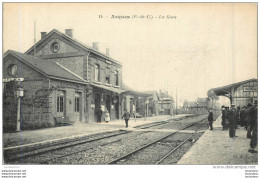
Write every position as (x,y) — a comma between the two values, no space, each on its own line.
(55,134)
(215,147)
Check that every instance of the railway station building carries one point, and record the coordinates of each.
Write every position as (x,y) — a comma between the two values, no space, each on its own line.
(49,91)
(84,79)
(240,93)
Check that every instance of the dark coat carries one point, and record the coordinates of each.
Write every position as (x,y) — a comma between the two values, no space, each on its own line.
(126,115)
(224,114)
(242,116)
(210,117)
(251,115)
(232,116)
(99,112)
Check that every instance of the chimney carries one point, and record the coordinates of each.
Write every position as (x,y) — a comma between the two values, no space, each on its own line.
(95,45)
(43,34)
(69,32)
(107,52)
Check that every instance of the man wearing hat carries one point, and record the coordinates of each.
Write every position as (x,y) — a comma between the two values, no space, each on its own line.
(253,125)
(224,118)
(99,114)
(243,117)
(249,120)
(210,119)
(232,121)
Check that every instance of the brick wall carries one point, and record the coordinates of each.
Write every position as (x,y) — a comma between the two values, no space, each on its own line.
(103,65)
(64,48)
(34,103)
(74,64)
(75,59)
(23,70)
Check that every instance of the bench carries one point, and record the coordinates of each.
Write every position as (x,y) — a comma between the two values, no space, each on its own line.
(60,121)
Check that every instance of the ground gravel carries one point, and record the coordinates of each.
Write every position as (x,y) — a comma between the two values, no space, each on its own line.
(103,151)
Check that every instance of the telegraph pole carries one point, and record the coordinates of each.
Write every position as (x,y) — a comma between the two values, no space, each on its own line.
(176,102)
(34,47)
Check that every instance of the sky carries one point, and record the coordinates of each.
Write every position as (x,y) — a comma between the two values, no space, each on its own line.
(198,47)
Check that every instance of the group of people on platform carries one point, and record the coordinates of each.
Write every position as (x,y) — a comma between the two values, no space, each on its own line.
(246,117)
(106,116)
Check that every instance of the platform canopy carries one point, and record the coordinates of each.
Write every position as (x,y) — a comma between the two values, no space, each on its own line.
(109,88)
(227,90)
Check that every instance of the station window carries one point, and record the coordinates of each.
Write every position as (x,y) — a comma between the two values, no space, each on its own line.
(107,75)
(97,73)
(60,102)
(107,79)
(76,104)
(77,101)
(116,78)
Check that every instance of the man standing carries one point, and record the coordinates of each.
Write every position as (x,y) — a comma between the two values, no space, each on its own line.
(210,119)
(232,122)
(224,118)
(228,116)
(253,125)
(249,120)
(126,116)
(243,117)
(99,115)
(238,117)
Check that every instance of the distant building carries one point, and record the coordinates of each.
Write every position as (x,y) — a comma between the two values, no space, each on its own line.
(203,103)
(148,103)
(143,103)
(166,103)
(199,106)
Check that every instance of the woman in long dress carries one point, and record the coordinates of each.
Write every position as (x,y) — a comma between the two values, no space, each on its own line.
(107,117)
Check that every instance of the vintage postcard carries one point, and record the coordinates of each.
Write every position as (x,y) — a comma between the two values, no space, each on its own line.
(86,85)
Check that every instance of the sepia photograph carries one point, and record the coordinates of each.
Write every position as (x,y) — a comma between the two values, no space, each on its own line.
(161,87)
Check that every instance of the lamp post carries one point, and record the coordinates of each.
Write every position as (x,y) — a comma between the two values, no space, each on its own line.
(146,108)
(19,95)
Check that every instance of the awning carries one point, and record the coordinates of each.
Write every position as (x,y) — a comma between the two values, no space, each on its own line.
(110,88)
(225,90)
(141,94)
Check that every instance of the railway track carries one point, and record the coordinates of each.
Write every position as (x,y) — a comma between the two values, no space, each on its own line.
(22,153)
(16,155)
(89,148)
(130,154)
(177,147)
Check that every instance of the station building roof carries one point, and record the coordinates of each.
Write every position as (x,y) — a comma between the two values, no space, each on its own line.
(221,91)
(49,69)
(74,41)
